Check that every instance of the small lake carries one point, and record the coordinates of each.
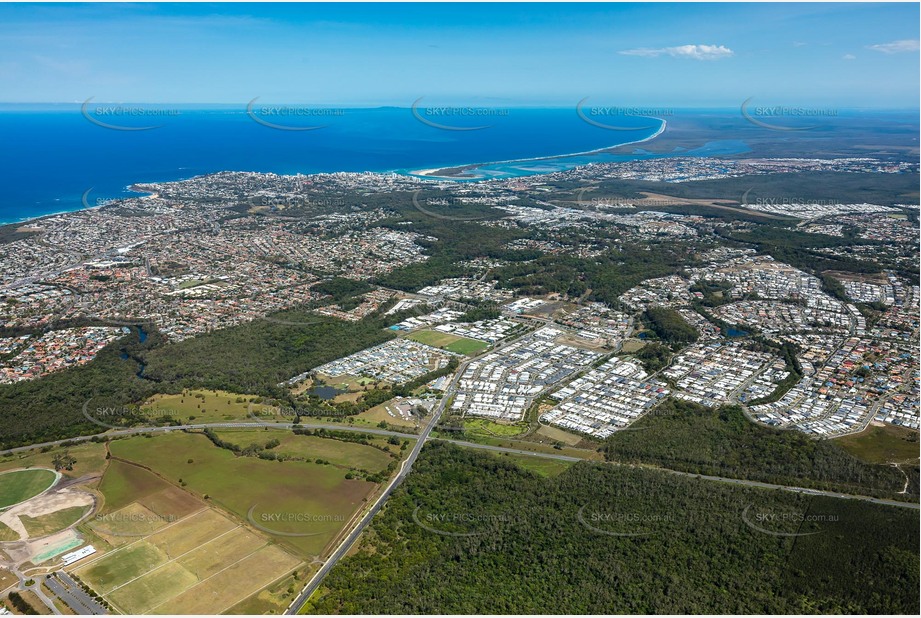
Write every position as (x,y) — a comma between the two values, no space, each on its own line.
(324,392)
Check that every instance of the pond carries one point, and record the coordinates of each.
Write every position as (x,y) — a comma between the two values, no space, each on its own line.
(324,392)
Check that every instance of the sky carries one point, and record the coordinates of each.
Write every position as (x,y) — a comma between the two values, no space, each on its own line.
(666,55)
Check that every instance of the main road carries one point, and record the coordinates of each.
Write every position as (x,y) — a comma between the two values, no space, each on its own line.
(356,532)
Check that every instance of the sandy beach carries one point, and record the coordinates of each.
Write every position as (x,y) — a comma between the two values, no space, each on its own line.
(458,169)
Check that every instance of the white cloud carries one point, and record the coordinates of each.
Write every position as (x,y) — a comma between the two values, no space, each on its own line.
(696,52)
(905,45)
(849,57)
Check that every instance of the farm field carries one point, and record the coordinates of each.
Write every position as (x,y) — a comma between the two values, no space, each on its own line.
(274,598)
(204,556)
(345,454)
(167,551)
(447,341)
(266,492)
(21,485)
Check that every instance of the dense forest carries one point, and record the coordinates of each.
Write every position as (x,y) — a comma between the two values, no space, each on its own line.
(607,276)
(669,326)
(684,436)
(472,533)
(249,358)
(654,356)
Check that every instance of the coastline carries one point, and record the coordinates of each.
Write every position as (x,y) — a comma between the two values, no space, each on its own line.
(25,221)
(428,173)
(454,173)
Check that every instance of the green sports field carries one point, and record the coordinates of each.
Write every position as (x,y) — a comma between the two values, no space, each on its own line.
(447,341)
(20,485)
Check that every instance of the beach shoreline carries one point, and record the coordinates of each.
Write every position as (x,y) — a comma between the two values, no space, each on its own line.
(430,173)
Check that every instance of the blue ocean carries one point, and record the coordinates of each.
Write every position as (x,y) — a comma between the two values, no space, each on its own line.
(52,155)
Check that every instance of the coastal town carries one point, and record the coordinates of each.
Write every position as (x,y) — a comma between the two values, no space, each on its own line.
(195,259)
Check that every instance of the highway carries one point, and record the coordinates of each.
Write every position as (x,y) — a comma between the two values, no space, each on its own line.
(488,447)
(705,477)
(356,532)
(226,425)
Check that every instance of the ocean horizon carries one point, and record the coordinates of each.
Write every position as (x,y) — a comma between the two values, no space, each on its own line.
(56,154)
(66,157)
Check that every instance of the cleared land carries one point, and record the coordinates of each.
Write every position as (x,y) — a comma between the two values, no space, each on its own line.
(880,445)
(123,484)
(632,345)
(138,503)
(486,427)
(538,465)
(558,435)
(378,413)
(202,406)
(7,533)
(21,485)
(256,571)
(53,522)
